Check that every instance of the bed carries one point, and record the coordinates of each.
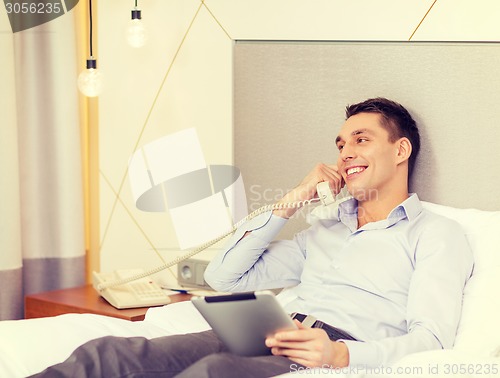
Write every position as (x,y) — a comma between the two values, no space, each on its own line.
(28,346)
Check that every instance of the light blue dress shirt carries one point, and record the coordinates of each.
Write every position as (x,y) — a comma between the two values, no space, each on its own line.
(395,284)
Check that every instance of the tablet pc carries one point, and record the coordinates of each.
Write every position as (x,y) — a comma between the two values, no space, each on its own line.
(244,320)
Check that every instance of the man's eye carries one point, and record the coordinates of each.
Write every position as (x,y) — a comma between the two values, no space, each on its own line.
(340,147)
(361,140)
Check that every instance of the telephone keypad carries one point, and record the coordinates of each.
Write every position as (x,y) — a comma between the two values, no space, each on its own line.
(147,290)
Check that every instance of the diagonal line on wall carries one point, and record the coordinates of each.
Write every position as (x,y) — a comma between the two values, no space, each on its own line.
(147,119)
(118,199)
(422,20)
(216,20)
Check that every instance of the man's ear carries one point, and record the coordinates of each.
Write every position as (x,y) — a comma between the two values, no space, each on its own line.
(404,149)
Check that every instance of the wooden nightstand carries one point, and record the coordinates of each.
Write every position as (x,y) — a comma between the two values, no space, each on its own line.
(81,300)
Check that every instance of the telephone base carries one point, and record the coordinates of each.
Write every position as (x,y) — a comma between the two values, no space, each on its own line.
(143,292)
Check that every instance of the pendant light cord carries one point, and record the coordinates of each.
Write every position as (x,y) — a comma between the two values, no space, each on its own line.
(90,27)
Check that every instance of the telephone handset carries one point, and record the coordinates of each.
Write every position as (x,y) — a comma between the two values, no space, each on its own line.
(325,193)
(132,288)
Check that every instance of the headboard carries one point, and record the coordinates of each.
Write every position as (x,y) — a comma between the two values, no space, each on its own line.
(289,101)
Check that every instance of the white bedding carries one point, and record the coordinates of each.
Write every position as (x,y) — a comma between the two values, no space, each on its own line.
(28,346)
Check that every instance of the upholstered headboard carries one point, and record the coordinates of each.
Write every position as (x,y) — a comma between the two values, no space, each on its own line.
(289,101)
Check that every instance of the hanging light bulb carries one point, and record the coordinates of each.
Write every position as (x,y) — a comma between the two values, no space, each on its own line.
(136,32)
(89,81)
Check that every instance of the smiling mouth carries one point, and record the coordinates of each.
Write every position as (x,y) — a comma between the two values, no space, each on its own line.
(354,170)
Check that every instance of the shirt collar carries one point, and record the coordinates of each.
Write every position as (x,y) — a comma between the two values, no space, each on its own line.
(409,209)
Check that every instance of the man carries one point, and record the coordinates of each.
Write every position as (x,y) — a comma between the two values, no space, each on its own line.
(386,271)
(383,277)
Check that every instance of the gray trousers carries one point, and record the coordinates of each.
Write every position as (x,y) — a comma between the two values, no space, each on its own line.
(195,355)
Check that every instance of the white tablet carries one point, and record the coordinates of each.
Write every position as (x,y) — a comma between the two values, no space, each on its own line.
(244,320)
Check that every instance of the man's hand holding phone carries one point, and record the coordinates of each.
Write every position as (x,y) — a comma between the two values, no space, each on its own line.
(307,188)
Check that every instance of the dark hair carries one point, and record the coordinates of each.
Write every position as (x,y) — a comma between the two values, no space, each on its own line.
(395,118)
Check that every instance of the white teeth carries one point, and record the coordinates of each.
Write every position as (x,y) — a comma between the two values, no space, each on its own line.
(350,171)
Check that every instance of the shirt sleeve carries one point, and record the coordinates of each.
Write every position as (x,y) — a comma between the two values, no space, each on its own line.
(254,261)
(443,263)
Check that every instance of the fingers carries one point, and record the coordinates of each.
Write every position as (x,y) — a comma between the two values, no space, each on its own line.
(307,188)
(301,334)
(327,173)
(307,353)
(307,346)
(334,178)
(321,172)
(303,357)
(298,324)
(296,338)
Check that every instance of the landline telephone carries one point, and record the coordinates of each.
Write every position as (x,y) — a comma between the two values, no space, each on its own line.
(134,288)
(141,292)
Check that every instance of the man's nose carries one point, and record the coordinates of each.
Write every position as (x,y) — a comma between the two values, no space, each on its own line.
(347,153)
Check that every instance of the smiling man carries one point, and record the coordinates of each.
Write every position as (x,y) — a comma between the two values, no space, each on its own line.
(380,279)
(384,277)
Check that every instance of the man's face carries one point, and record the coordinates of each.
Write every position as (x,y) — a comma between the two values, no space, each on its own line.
(367,159)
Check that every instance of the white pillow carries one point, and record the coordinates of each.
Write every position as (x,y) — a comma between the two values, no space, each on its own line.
(479,328)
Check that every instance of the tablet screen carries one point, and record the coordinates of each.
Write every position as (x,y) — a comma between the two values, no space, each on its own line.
(243,321)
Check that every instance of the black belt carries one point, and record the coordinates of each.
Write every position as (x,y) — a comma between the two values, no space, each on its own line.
(332,332)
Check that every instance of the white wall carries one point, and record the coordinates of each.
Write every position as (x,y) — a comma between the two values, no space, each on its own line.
(151,92)
(10,238)
(183,78)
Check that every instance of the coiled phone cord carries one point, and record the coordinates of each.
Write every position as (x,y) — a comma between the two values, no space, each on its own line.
(259,211)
